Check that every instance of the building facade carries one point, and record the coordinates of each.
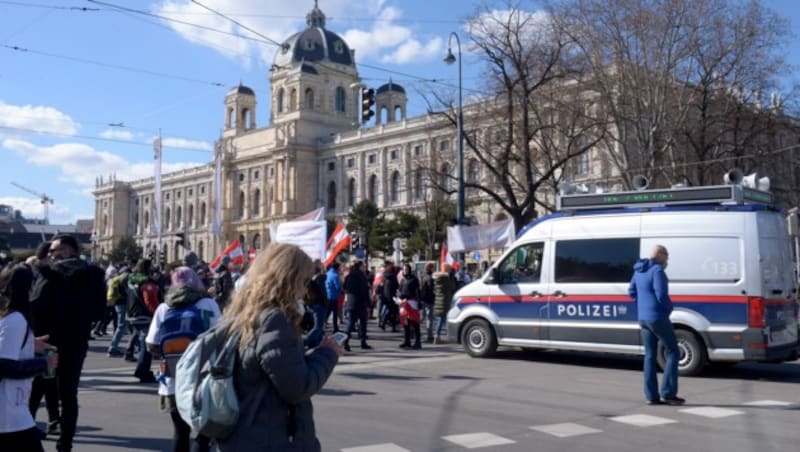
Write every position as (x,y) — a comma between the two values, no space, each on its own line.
(313,153)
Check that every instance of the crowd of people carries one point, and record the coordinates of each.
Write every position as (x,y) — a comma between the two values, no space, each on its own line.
(283,307)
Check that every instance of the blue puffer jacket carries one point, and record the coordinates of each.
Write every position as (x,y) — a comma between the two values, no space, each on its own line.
(333,286)
(650,288)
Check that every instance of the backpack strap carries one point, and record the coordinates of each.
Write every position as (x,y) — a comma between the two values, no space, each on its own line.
(25,339)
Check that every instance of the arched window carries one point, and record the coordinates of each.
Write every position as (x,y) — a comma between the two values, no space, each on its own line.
(257,242)
(177,251)
(293,100)
(200,250)
(179,217)
(351,192)
(167,219)
(255,205)
(372,189)
(136,222)
(105,225)
(241,205)
(395,187)
(418,188)
(146,227)
(202,220)
(281,93)
(446,180)
(332,195)
(309,103)
(269,200)
(384,113)
(245,113)
(340,99)
(398,113)
(190,216)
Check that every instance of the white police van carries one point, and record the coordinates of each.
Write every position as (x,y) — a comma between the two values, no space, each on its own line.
(563,283)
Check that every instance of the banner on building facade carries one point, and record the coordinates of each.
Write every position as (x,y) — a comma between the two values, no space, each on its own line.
(480,237)
(310,236)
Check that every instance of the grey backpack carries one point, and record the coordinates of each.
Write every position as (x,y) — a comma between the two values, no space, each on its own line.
(204,390)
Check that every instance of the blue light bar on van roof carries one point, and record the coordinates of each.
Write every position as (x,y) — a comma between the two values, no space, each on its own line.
(722,194)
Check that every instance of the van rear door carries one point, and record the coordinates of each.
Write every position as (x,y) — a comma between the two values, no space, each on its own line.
(776,312)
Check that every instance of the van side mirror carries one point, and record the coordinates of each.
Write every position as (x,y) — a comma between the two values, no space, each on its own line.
(494,276)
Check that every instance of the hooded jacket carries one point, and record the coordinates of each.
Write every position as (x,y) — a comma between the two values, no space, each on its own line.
(443,289)
(67,296)
(184,296)
(650,288)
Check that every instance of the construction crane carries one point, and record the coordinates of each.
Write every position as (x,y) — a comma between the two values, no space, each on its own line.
(44,199)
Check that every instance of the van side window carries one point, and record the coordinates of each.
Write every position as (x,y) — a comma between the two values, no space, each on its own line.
(596,260)
(523,265)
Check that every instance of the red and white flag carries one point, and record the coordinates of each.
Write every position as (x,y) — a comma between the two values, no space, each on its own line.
(232,251)
(340,239)
(446,258)
(251,254)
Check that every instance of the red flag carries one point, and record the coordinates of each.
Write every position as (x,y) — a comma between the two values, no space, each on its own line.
(251,254)
(446,258)
(340,239)
(233,251)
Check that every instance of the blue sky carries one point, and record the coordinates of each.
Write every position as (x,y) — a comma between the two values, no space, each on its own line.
(70,83)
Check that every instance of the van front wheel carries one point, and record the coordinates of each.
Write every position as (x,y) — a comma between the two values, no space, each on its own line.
(479,339)
(692,357)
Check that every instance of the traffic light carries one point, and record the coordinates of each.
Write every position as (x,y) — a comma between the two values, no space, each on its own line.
(367,101)
(181,239)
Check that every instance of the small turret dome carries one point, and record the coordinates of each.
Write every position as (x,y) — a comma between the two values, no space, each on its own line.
(390,87)
(241,89)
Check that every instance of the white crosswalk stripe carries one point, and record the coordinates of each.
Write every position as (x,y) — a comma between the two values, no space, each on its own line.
(642,420)
(565,430)
(385,447)
(768,403)
(712,412)
(478,440)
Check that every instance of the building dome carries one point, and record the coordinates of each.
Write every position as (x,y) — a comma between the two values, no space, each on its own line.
(241,89)
(314,44)
(390,87)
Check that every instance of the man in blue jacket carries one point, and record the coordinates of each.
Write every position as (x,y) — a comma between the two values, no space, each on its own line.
(333,287)
(650,288)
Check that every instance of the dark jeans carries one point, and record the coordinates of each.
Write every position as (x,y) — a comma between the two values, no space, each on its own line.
(314,336)
(145,359)
(181,437)
(333,308)
(652,332)
(49,388)
(24,441)
(120,326)
(360,315)
(428,319)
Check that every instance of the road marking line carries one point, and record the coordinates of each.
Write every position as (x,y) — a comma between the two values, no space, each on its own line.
(768,403)
(642,420)
(478,440)
(712,412)
(385,447)
(565,430)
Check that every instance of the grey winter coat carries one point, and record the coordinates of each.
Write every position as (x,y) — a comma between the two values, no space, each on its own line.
(275,382)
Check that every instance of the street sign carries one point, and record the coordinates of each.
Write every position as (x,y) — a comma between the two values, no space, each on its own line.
(360,252)
(476,255)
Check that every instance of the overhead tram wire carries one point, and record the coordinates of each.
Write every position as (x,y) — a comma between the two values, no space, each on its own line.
(86,137)
(112,66)
(112,6)
(239,24)
(40,5)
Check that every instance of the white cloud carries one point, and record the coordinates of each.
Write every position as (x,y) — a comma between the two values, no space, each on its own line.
(81,164)
(187,144)
(533,27)
(117,134)
(32,208)
(413,51)
(287,18)
(36,117)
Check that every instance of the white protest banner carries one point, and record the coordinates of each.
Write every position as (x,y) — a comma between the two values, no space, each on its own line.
(480,237)
(310,236)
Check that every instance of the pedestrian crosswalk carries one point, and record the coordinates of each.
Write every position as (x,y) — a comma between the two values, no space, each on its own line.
(480,440)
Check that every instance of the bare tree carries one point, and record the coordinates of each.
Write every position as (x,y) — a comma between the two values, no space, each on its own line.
(682,79)
(533,119)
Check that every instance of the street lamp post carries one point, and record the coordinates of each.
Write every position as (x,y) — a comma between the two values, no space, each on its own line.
(450,59)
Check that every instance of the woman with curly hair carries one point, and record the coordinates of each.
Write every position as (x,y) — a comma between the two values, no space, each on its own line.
(275,378)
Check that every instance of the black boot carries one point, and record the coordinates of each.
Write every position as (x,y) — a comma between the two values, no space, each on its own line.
(417,338)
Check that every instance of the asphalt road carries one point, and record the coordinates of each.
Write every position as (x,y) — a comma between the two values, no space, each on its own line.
(438,399)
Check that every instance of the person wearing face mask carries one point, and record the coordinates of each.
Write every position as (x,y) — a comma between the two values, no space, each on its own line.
(650,288)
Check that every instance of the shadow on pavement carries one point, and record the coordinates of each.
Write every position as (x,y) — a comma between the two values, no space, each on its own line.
(343,392)
(155,444)
(365,376)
